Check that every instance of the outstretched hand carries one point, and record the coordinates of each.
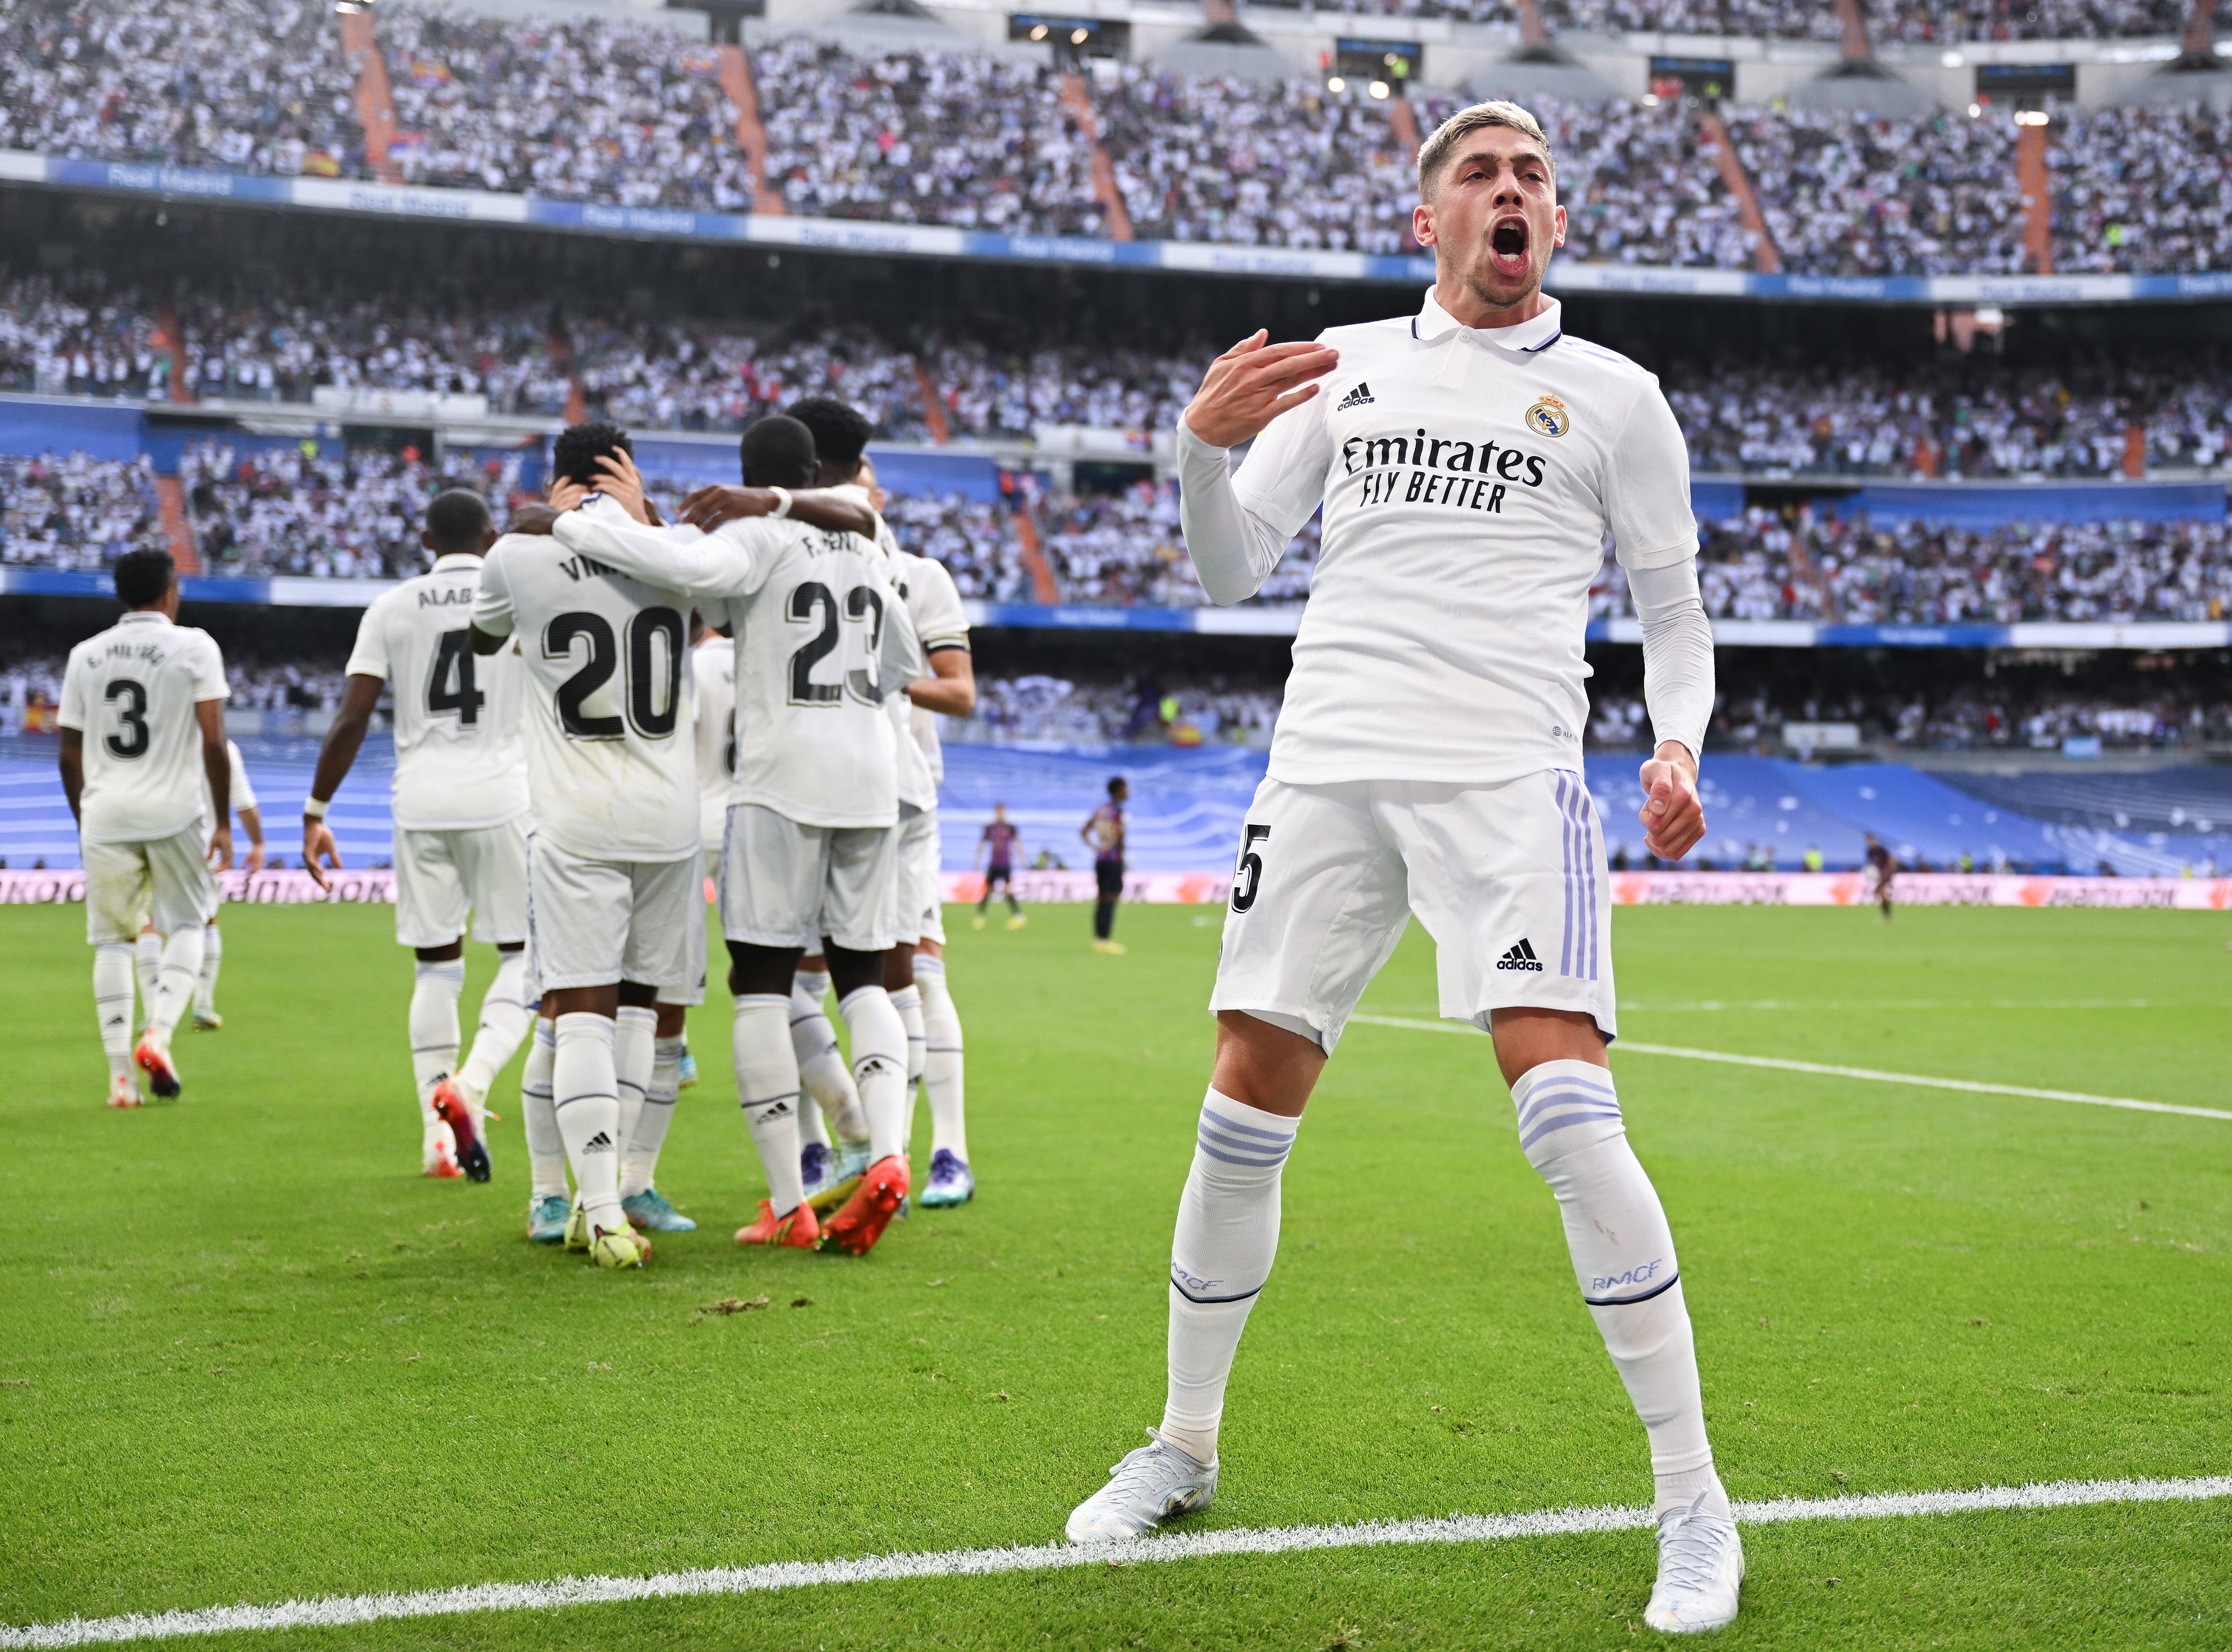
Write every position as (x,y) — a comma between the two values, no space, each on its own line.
(1252,383)
(319,850)
(1673,818)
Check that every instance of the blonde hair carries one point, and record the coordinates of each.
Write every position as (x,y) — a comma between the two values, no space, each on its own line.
(1434,153)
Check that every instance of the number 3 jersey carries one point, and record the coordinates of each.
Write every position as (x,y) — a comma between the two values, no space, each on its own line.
(611,760)
(820,633)
(132,692)
(460,762)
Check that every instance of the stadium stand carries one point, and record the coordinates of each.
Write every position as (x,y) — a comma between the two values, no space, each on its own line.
(76,512)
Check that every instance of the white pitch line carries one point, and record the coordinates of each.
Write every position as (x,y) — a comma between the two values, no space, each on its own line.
(1974,1086)
(339,1611)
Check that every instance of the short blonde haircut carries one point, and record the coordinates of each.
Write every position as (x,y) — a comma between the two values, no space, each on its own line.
(1434,153)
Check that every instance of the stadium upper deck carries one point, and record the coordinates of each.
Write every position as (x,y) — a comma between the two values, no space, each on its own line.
(999,140)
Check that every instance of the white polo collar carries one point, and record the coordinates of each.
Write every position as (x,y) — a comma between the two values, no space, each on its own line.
(1526,338)
(450,560)
(144,616)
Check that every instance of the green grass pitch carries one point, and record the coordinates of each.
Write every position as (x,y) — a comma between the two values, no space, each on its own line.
(249,1354)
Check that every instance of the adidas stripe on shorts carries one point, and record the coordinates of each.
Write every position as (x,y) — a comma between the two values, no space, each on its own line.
(1508,879)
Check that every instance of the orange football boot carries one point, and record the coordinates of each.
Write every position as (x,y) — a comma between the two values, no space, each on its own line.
(858,1226)
(795,1230)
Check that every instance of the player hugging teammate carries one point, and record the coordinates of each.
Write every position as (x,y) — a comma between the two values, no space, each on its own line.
(1469,461)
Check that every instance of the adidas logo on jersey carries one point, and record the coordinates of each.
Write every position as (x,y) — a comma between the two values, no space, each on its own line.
(1359,396)
(1521,957)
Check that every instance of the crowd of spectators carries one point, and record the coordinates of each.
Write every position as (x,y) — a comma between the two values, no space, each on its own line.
(1639,187)
(1054,709)
(1125,548)
(238,85)
(69,511)
(1921,20)
(976,540)
(2141,190)
(578,108)
(1804,565)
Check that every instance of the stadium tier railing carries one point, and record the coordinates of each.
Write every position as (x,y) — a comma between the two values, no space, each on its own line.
(876,239)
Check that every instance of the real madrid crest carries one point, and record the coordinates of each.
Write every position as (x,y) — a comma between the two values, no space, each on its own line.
(1549,417)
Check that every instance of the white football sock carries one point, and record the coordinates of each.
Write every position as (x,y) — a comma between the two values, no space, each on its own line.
(879,1052)
(503,1022)
(586,1094)
(174,991)
(635,1031)
(1623,1251)
(908,1001)
(546,1148)
(1228,1231)
(811,1127)
(434,1029)
(651,1125)
(767,1088)
(942,1069)
(212,959)
(822,1070)
(147,964)
(111,1003)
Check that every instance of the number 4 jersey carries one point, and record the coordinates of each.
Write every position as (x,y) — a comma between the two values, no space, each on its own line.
(460,763)
(132,691)
(611,759)
(820,635)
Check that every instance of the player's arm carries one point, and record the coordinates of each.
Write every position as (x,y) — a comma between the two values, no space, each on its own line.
(977,859)
(491,624)
(701,568)
(1648,510)
(898,651)
(335,757)
(950,686)
(1237,528)
(217,763)
(842,512)
(72,767)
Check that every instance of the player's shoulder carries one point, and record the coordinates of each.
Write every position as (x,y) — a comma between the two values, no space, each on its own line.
(1586,355)
(1388,330)
(193,639)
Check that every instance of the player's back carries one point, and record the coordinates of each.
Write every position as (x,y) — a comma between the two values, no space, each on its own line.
(460,755)
(612,767)
(131,690)
(815,740)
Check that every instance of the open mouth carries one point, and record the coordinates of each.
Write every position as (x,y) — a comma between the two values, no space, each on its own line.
(1506,244)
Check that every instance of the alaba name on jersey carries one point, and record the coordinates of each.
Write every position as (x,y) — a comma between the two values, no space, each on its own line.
(1469,479)
(130,691)
(460,755)
(610,761)
(819,630)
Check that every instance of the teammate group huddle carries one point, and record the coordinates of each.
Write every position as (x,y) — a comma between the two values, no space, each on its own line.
(592,713)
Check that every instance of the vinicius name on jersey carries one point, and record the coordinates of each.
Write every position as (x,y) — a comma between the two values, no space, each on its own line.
(1418,469)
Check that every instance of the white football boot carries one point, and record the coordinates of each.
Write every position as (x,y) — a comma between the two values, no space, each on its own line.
(1701,1568)
(1146,1488)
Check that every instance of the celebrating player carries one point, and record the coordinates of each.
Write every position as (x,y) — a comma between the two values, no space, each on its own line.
(1469,460)
(460,810)
(1003,840)
(147,959)
(811,841)
(152,693)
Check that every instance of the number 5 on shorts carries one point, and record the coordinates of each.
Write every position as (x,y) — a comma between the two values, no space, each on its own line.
(1248,875)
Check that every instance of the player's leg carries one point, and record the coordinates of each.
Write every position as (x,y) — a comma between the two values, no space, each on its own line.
(1015,919)
(769,884)
(1108,880)
(115,898)
(950,1181)
(580,913)
(1317,907)
(182,897)
(549,1201)
(432,913)
(1510,881)
(147,970)
(492,863)
(859,913)
(207,1020)
(906,998)
(646,1205)
(828,1091)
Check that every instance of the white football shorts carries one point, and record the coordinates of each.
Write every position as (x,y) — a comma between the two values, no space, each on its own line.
(592,923)
(922,896)
(166,881)
(785,885)
(444,878)
(1509,880)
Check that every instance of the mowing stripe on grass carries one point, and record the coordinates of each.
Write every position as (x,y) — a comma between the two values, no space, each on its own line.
(1630,1047)
(337,1610)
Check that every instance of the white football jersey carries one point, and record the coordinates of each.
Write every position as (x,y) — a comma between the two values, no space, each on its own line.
(132,692)
(460,756)
(1468,478)
(935,603)
(918,786)
(611,759)
(819,632)
(713,716)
